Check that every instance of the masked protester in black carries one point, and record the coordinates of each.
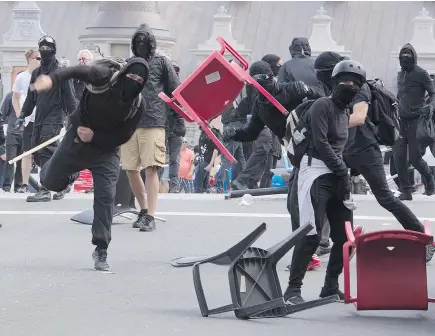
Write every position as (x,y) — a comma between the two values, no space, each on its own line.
(102,123)
(325,179)
(51,108)
(362,152)
(413,82)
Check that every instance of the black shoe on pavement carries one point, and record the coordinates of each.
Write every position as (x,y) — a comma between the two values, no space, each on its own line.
(236,185)
(406,196)
(430,251)
(23,189)
(7,189)
(61,194)
(293,296)
(42,195)
(148,224)
(140,218)
(325,292)
(100,258)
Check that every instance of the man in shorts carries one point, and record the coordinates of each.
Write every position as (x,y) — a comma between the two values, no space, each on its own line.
(146,149)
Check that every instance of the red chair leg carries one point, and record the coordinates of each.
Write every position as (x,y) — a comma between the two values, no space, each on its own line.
(346,271)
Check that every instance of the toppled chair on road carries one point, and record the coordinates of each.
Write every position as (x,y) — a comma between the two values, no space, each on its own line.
(254,284)
(391,269)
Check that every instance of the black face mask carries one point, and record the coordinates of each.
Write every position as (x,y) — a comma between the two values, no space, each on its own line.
(406,63)
(47,56)
(325,78)
(344,93)
(275,68)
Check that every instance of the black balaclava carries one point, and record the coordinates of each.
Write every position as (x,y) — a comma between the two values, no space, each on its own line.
(324,64)
(263,74)
(133,79)
(47,49)
(407,57)
(144,42)
(273,61)
(342,93)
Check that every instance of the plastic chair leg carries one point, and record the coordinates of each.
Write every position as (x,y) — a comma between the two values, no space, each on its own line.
(291,309)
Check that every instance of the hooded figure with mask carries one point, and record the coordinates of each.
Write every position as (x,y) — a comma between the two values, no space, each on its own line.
(146,149)
(325,179)
(300,68)
(110,109)
(412,82)
(51,109)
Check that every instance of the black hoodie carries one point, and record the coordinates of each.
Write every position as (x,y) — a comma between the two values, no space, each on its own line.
(162,78)
(412,87)
(301,67)
(51,106)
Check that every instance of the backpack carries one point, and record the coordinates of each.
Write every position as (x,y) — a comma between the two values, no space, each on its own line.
(384,114)
(115,64)
(297,138)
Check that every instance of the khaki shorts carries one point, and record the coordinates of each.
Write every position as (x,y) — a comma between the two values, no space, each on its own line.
(146,148)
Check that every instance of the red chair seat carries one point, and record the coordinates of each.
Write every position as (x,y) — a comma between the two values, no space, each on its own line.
(391,270)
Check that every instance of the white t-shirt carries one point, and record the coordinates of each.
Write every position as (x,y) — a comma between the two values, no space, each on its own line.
(21,86)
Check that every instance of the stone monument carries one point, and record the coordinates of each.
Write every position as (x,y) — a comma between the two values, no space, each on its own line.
(23,35)
(321,37)
(116,21)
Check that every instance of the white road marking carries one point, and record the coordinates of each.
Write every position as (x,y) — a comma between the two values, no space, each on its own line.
(202,214)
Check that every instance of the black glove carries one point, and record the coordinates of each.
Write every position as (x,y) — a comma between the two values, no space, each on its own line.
(343,187)
(229,133)
(19,124)
(299,89)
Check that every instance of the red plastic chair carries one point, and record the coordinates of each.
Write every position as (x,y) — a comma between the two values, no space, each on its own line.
(391,269)
(211,88)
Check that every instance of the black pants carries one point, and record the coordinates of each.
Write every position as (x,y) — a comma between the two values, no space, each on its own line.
(393,170)
(370,165)
(236,150)
(68,160)
(408,144)
(41,134)
(266,179)
(325,203)
(256,164)
(292,199)
(174,145)
(14,147)
(202,178)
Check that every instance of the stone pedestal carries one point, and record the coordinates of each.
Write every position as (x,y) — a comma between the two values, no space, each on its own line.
(23,35)
(321,38)
(423,42)
(222,26)
(116,21)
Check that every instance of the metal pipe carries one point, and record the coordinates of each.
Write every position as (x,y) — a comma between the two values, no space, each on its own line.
(257,192)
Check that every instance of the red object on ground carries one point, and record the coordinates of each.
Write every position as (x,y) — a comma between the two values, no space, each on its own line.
(211,88)
(84,182)
(391,269)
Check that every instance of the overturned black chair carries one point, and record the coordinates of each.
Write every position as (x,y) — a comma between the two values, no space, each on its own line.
(253,279)
(124,202)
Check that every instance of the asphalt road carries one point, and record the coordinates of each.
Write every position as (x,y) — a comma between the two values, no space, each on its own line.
(49,288)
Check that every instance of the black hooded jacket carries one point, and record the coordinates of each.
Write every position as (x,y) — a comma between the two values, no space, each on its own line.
(51,106)
(412,87)
(162,78)
(105,113)
(301,67)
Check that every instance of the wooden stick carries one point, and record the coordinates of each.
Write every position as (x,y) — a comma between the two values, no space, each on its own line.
(37,148)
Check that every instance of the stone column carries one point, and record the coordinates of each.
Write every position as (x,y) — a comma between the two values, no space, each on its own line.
(321,38)
(115,23)
(222,26)
(423,41)
(23,35)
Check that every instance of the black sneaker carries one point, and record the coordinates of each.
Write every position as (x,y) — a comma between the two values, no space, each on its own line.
(405,196)
(236,185)
(42,195)
(61,194)
(100,258)
(148,224)
(140,218)
(22,190)
(323,250)
(430,251)
(293,296)
(325,292)
(7,189)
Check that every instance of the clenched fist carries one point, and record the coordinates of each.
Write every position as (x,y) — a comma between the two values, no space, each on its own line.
(85,133)
(42,83)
